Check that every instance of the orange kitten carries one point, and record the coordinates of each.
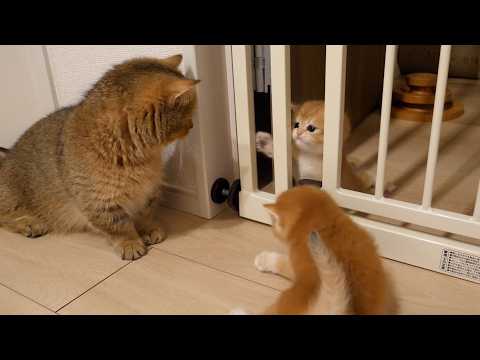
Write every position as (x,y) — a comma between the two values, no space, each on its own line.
(307,151)
(333,263)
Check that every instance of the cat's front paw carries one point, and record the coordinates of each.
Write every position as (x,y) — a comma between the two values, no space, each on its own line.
(131,249)
(154,237)
(267,261)
(264,143)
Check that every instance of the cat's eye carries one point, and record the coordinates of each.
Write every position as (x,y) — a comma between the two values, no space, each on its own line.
(297,124)
(311,128)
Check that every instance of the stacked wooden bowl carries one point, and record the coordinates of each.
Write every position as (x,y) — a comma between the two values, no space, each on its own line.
(415,100)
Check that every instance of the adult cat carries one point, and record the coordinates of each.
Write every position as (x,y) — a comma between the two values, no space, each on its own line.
(97,165)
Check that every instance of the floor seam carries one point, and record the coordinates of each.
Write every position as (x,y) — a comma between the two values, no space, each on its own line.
(217,269)
(92,287)
(28,298)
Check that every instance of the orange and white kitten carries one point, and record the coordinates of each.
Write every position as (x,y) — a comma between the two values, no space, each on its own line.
(333,263)
(307,150)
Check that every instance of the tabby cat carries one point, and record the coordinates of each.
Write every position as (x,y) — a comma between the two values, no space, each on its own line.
(97,165)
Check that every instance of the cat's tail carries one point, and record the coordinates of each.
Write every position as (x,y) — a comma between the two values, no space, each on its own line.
(334,290)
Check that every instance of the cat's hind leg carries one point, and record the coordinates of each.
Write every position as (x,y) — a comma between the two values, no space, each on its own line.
(15,218)
(19,221)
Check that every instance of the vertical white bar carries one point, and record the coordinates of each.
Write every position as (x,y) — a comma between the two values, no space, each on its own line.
(281,114)
(388,77)
(335,69)
(476,212)
(242,74)
(437,120)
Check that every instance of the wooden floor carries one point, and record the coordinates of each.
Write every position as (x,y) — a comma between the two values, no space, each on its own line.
(204,267)
(458,169)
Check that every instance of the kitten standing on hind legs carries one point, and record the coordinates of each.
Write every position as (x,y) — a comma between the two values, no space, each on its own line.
(332,262)
(98,165)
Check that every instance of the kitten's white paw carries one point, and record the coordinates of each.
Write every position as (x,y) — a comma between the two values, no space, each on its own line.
(264,143)
(266,261)
(238,312)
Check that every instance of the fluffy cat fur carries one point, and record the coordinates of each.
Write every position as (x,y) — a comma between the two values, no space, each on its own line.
(307,149)
(98,165)
(332,262)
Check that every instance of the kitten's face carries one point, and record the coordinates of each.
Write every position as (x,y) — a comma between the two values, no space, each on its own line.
(308,127)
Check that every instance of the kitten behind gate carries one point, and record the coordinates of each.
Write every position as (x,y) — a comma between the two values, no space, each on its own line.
(307,149)
(98,165)
(332,262)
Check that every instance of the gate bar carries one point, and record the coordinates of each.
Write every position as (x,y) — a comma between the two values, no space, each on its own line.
(476,212)
(245,116)
(335,64)
(281,117)
(437,120)
(388,78)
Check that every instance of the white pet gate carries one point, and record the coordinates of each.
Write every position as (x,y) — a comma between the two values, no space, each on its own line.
(422,249)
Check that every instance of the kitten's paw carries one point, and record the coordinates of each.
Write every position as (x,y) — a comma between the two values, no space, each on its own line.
(131,249)
(390,188)
(237,312)
(154,237)
(267,261)
(264,143)
(354,162)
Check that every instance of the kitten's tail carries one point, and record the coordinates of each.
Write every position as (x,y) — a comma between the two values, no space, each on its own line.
(334,289)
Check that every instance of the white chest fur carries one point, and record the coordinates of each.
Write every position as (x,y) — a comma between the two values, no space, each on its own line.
(308,166)
(168,151)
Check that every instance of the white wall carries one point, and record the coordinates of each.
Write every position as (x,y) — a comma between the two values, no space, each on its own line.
(25,91)
(75,68)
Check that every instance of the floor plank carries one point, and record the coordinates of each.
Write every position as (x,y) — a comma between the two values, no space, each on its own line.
(161,283)
(11,303)
(53,269)
(423,292)
(228,243)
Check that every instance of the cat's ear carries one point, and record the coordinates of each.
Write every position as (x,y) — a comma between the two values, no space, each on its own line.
(181,87)
(295,108)
(173,61)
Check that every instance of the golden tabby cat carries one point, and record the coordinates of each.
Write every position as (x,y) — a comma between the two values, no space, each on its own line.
(98,165)
(332,262)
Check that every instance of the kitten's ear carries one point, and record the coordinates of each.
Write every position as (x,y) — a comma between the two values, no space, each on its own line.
(180,87)
(173,61)
(295,108)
